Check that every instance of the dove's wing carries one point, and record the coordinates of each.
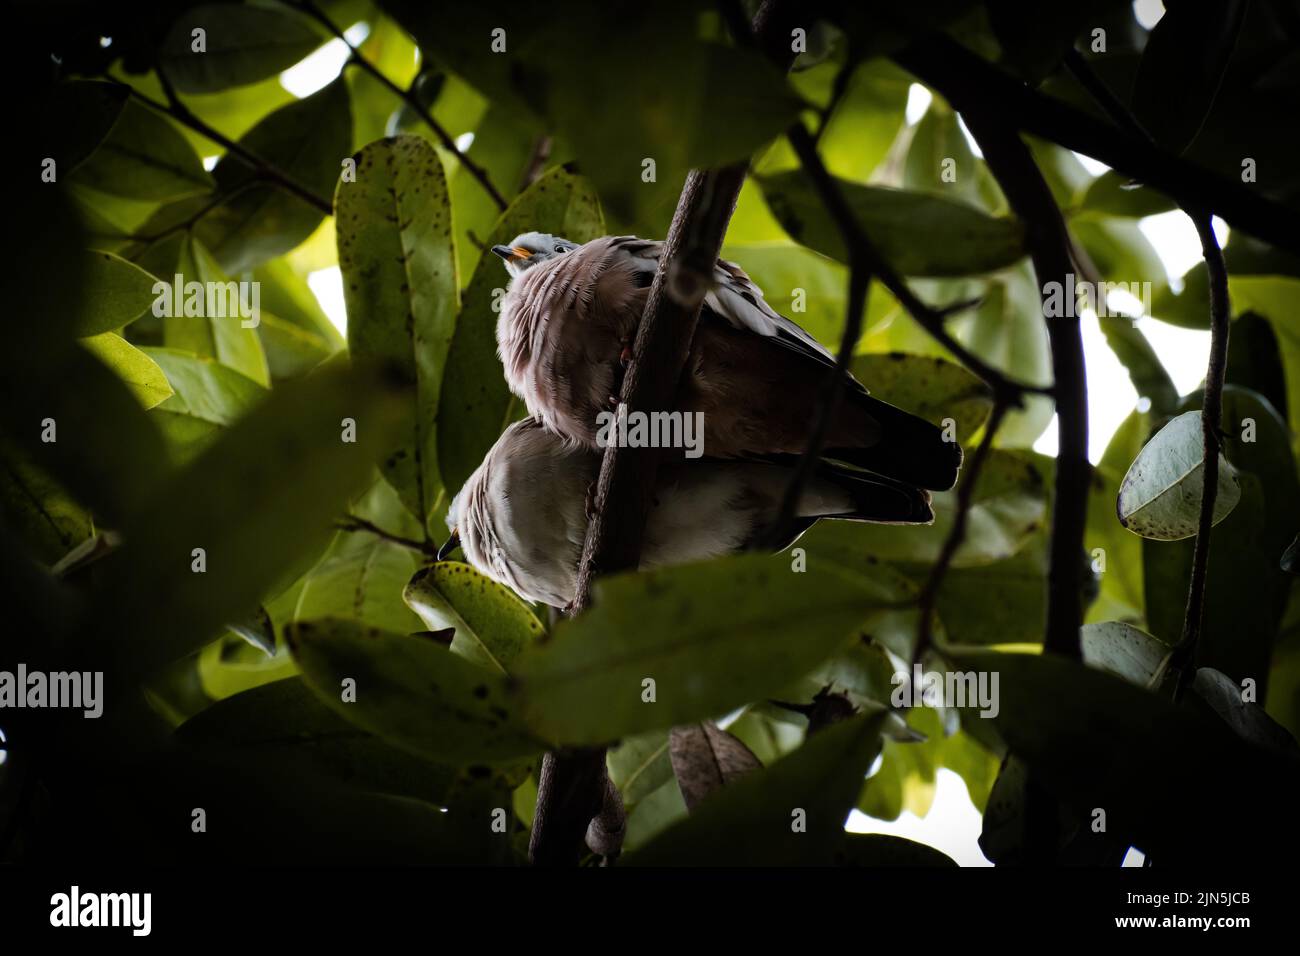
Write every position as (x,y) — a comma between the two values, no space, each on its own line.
(734,298)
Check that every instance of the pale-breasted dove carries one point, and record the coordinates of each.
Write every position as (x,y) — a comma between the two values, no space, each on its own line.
(569,318)
(521,518)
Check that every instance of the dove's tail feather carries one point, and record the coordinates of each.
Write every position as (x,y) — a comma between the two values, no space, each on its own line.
(909,449)
(874,498)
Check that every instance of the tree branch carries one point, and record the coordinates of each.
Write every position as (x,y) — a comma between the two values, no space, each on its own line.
(570,787)
(947,66)
(408,97)
(355,523)
(1049,247)
(1215,375)
(185,116)
(956,534)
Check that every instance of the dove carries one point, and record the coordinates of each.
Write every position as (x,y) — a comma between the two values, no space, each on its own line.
(521,517)
(565,331)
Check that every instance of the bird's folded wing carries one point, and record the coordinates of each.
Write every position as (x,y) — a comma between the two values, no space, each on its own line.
(735,298)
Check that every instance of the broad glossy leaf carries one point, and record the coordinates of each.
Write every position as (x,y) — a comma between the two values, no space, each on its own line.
(1116,195)
(307,140)
(269,487)
(242,44)
(1160,497)
(902,225)
(1097,741)
(881,849)
(36,511)
(639,765)
(286,721)
(866,121)
(133,366)
(711,636)
(939,159)
(84,112)
(207,397)
(705,759)
(476,403)
(927,386)
(1181,70)
(144,157)
(412,691)
(399,283)
(492,625)
(1123,650)
(220,331)
(117,292)
(1000,603)
(753,821)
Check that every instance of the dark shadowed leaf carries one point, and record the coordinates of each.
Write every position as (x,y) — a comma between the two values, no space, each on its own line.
(241,44)
(413,692)
(928,386)
(880,849)
(144,157)
(791,813)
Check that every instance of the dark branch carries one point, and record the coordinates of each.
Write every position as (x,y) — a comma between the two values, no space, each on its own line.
(947,66)
(407,96)
(956,534)
(570,790)
(355,523)
(264,170)
(1049,247)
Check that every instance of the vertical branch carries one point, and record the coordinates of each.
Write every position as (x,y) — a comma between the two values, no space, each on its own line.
(571,787)
(1049,248)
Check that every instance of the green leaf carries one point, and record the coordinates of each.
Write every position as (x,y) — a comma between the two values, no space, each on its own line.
(939,159)
(241,45)
(1160,497)
(1237,637)
(399,283)
(1246,717)
(36,511)
(117,293)
(219,330)
(880,849)
(1097,741)
(1001,603)
(1119,563)
(134,367)
(476,404)
(1123,650)
(207,397)
(286,722)
(492,625)
(412,691)
(1146,371)
(902,225)
(1008,506)
(1115,194)
(306,140)
(640,765)
(83,114)
(1181,69)
(712,636)
(269,487)
(108,452)
(144,157)
(929,387)
(258,630)
(866,121)
(752,822)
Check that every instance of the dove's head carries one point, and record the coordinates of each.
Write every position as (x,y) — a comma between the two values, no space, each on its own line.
(530,248)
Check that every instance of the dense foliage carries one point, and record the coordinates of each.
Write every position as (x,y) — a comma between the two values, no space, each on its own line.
(323,690)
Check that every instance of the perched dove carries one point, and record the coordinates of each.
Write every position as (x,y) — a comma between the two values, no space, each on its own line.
(521,518)
(569,319)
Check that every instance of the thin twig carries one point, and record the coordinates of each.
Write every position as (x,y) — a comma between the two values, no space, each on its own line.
(956,534)
(356,523)
(1215,375)
(408,97)
(536,162)
(264,170)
